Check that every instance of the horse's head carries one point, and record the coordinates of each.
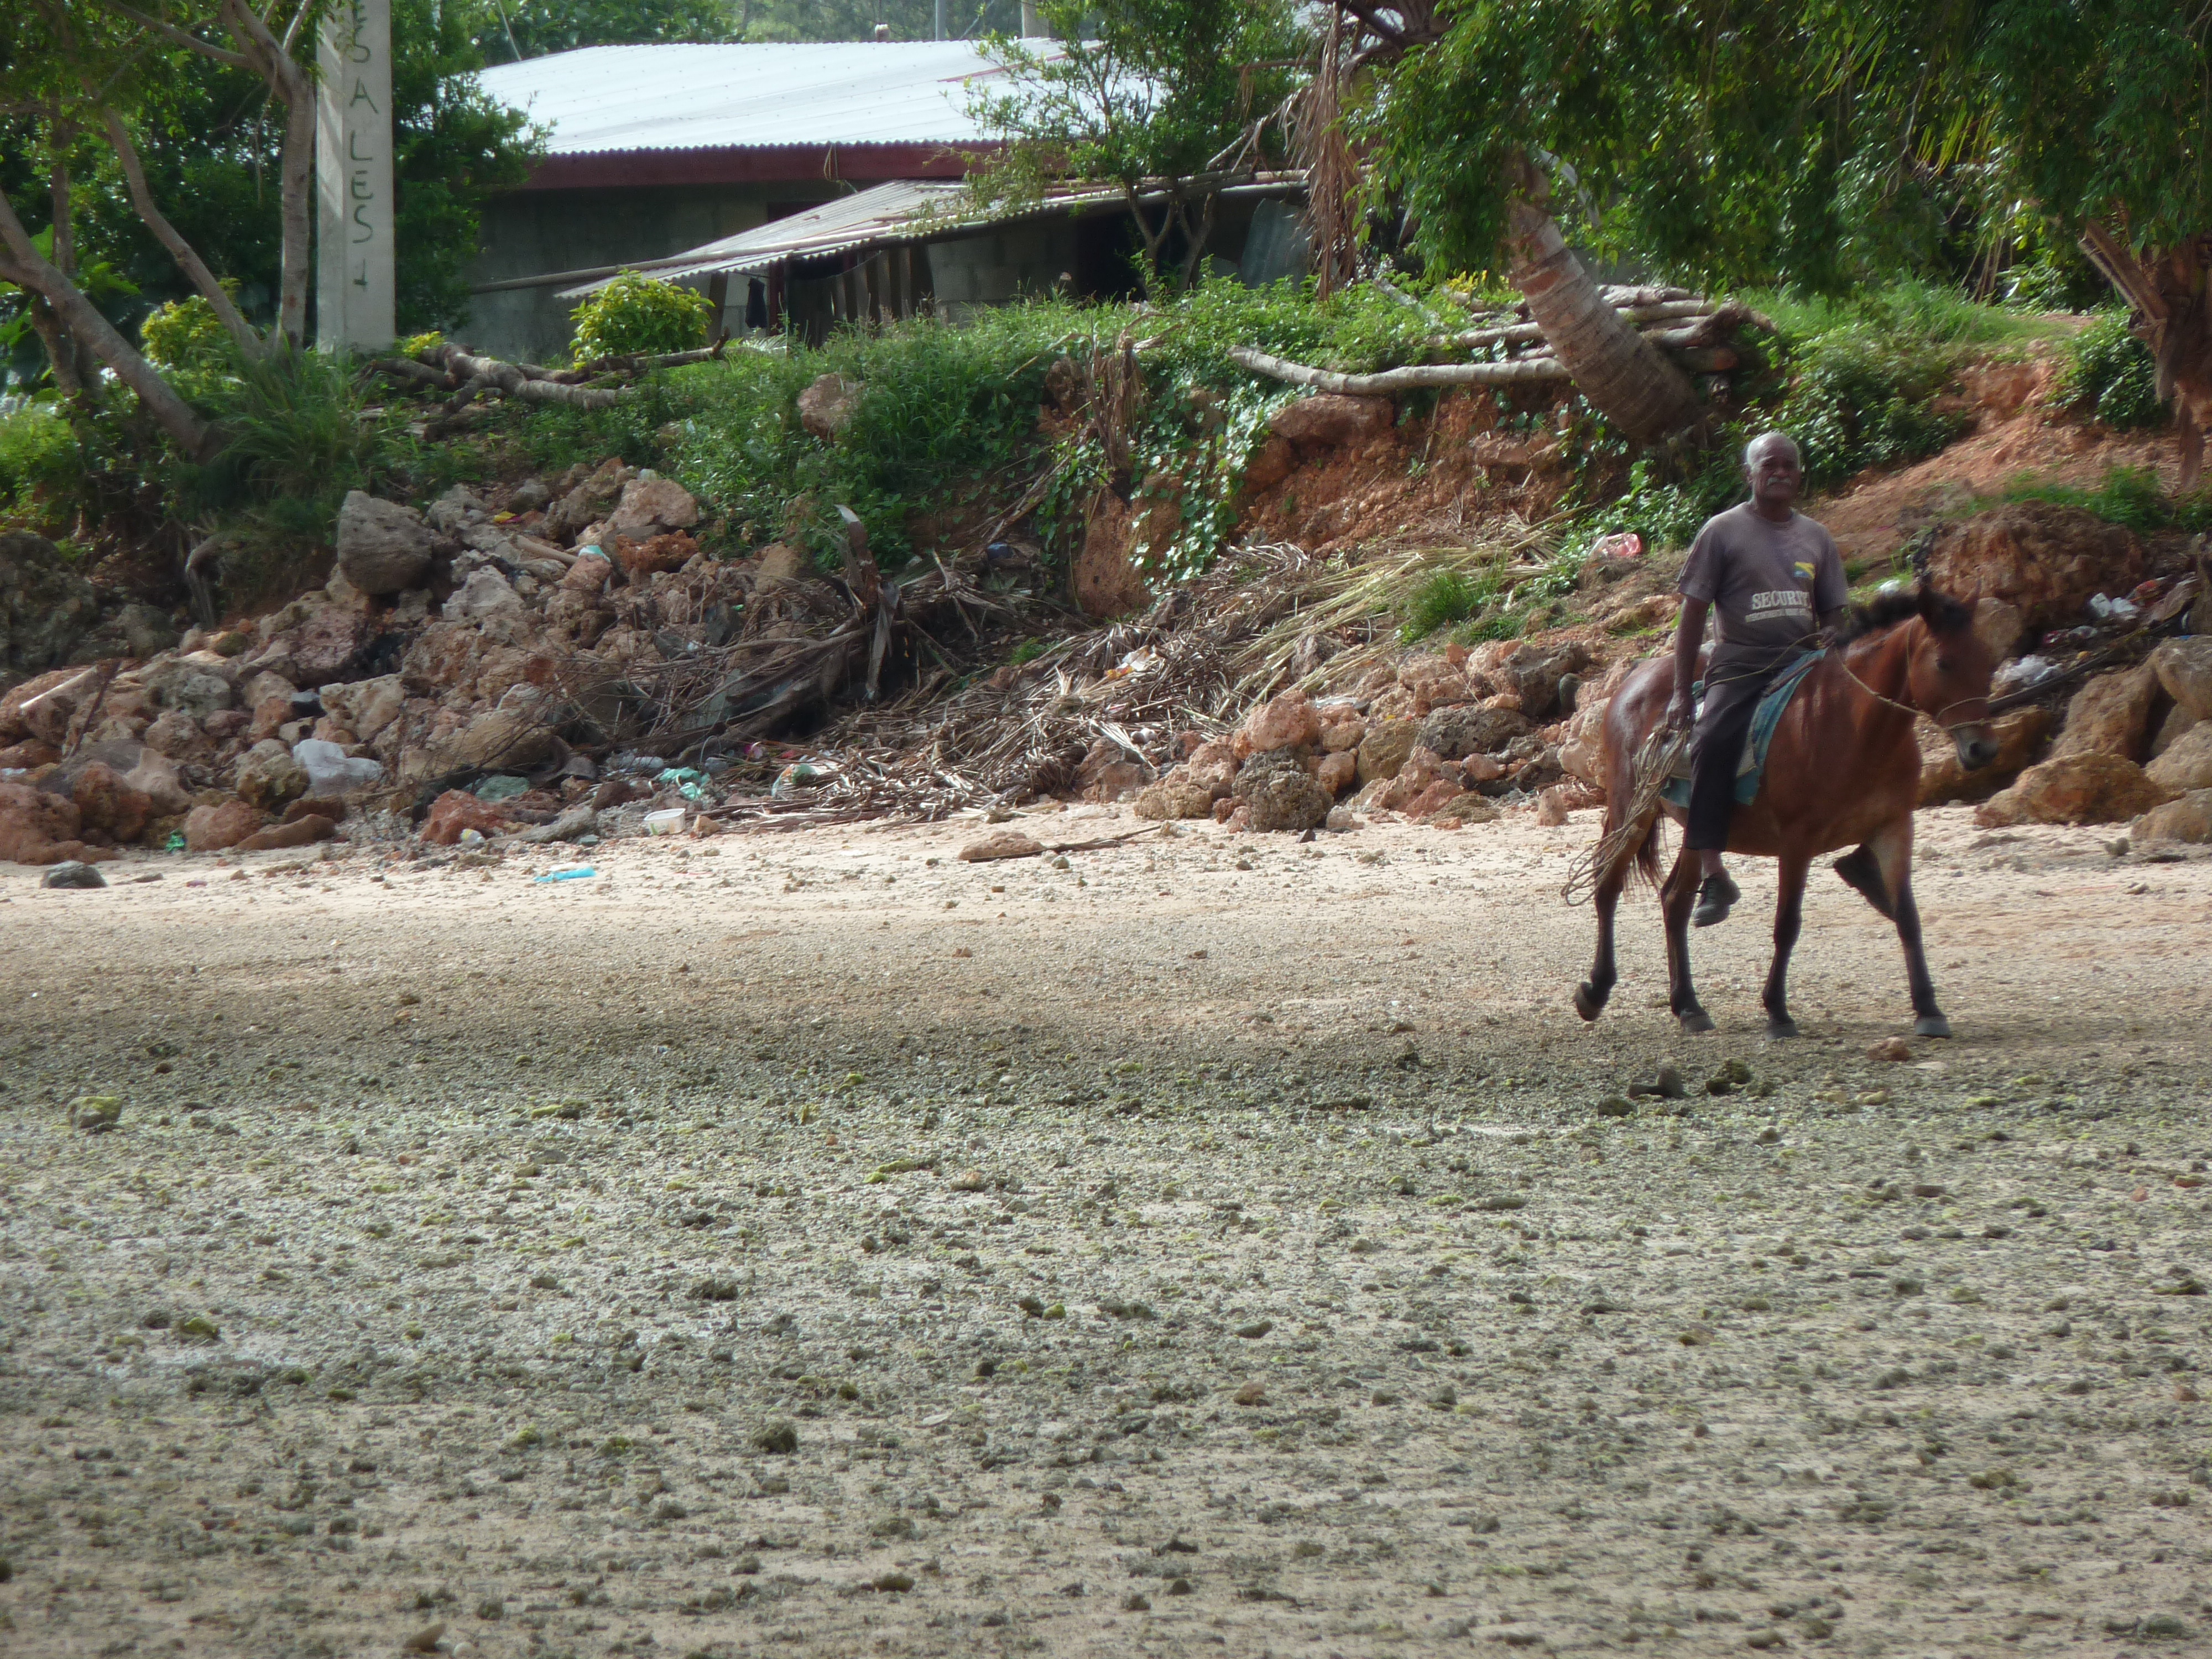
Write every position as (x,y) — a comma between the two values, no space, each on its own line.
(1948,668)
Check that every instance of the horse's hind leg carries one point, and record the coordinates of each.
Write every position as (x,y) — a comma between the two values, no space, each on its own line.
(1676,898)
(1592,994)
(1789,917)
(1892,849)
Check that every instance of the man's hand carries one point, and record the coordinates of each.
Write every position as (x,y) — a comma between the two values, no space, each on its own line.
(1689,635)
(1680,712)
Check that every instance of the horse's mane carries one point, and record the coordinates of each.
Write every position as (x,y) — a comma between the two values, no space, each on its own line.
(1942,613)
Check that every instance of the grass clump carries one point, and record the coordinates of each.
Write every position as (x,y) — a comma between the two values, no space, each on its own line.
(2127,496)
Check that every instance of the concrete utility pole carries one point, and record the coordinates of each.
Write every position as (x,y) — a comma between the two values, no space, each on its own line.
(1032,25)
(939,35)
(355,284)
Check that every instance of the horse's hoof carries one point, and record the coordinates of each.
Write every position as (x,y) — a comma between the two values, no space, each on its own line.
(1697,1019)
(1588,1003)
(1931,1025)
(1781,1031)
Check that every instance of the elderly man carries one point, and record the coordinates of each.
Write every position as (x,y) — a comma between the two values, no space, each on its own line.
(1779,582)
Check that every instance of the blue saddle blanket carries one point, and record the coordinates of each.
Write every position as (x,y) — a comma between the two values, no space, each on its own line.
(1751,769)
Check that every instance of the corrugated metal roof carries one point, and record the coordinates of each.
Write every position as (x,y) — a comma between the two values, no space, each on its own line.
(601,99)
(904,210)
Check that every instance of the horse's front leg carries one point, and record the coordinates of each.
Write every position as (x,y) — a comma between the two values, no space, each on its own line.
(1593,993)
(1676,898)
(1788,918)
(1892,849)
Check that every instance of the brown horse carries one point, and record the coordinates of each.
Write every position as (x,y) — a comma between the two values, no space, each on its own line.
(1843,770)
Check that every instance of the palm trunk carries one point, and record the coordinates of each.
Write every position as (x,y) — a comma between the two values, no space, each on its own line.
(1623,376)
(2173,301)
(25,266)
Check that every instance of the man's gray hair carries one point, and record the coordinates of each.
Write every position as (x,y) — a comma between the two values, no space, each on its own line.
(1751,450)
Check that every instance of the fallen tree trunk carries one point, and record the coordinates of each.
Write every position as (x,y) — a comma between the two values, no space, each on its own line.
(510,381)
(1392,380)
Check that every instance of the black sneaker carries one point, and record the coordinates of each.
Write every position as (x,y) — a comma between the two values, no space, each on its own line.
(1715,900)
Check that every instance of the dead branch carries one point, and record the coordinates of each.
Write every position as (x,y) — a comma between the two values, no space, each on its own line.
(1392,380)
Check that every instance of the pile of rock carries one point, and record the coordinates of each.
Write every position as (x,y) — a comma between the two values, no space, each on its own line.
(1442,739)
(449,643)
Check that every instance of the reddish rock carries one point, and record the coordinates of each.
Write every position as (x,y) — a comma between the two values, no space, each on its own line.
(268,714)
(2184,667)
(1434,798)
(1337,772)
(2042,557)
(294,832)
(1551,806)
(27,754)
(2189,819)
(2111,714)
(315,806)
(37,826)
(642,558)
(107,804)
(1174,796)
(1384,749)
(590,499)
(1944,780)
(1001,844)
(456,811)
(176,735)
(1108,772)
(225,724)
(588,575)
(212,828)
(650,507)
(2083,789)
(1461,811)
(1286,722)
(1277,459)
(1329,420)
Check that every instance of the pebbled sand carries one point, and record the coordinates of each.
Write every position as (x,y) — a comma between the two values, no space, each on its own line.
(508,1278)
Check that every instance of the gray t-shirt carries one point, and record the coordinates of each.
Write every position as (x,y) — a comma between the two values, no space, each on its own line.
(1769,583)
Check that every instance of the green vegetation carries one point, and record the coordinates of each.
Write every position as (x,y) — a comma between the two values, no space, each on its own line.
(39,471)
(643,315)
(2109,375)
(2128,495)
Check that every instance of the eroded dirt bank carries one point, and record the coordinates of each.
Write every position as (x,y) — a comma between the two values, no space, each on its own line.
(1249,1270)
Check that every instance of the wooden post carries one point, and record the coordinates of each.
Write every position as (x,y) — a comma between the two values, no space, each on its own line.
(717,297)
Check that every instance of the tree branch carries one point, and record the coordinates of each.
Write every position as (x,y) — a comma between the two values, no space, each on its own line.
(183,38)
(187,258)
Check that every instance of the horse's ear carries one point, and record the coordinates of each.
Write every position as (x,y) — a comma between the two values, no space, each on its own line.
(1942,613)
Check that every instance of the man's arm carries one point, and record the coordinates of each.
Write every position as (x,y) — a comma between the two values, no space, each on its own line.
(1689,635)
(1831,623)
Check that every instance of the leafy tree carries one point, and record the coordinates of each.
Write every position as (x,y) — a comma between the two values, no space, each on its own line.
(1169,98)
(2096,112)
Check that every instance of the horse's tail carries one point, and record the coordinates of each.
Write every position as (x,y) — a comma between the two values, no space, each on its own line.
(1647,854)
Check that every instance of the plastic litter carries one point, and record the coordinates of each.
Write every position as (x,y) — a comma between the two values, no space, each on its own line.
(630,760)
(690,781)
(472,838)
(501,788)
(799,774)
(330,770)
(175,842)
(1621,545)
(668,821)
(574,872)
(2023,672)
(2105,609)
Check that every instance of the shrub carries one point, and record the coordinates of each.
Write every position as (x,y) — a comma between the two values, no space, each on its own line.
(185,334)
(2109,376)
(641,314)
(38,460)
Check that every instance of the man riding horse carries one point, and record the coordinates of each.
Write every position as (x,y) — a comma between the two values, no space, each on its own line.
(1770,571)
